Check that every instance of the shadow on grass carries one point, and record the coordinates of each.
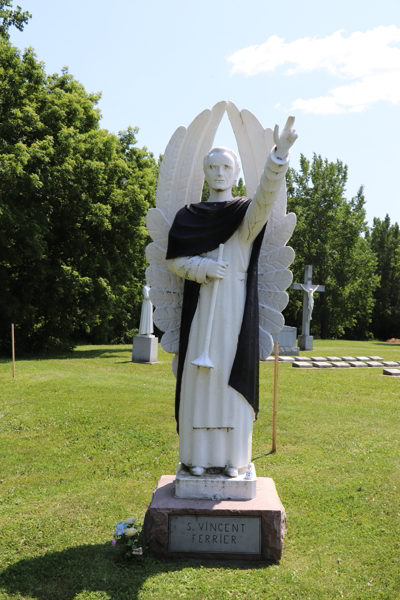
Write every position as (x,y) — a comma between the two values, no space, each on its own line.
(96,568)
(73,355)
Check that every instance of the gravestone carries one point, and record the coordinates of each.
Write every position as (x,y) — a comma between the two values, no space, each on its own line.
(305,339)
(288,341)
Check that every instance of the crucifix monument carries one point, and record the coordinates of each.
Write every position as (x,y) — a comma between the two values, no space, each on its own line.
(305,339)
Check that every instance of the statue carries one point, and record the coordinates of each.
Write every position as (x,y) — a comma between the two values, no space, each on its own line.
(204,264)
(146,316)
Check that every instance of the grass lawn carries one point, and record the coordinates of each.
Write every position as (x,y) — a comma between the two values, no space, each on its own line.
(85,438)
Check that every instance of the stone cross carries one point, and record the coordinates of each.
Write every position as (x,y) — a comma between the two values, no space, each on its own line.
(305,339)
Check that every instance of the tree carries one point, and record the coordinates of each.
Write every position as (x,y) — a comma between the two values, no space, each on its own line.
(73,200)
(330,236)
(384,240)
(11,18)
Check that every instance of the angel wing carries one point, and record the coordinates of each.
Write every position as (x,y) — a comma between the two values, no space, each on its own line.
(180,183)
(255,143)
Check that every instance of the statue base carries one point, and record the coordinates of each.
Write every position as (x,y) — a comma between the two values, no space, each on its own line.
(145,349)
(306,342)
(224,530)
(215,486)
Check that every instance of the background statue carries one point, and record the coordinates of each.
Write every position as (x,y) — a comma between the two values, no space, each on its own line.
(215,407)
(146,316)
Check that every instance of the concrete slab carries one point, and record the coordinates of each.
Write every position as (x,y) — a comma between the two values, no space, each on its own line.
(287,359)
(374,363)
(322,364)
(390,363)
(358,364)
(302,358)
(245,530)
(392,372)
(362,358)
(333,358)
(269,359)
(318,358)
(375,358)
(302,365)
(341,365)
(348,358)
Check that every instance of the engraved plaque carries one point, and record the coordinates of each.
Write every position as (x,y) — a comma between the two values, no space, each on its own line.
(228,535)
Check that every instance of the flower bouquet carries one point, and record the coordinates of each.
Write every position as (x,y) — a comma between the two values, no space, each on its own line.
(127,534)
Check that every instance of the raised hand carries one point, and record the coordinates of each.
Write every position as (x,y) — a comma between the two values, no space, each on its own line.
(286,139)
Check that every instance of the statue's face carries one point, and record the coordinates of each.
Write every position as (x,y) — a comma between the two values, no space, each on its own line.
(220,171)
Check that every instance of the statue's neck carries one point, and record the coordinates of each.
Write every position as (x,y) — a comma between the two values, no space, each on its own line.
(220,196)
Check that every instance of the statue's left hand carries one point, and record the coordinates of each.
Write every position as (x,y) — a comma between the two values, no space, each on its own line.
(286,139)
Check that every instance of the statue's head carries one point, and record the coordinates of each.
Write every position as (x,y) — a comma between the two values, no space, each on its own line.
(221,168)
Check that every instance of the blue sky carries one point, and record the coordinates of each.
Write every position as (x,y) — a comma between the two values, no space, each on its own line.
(334,65)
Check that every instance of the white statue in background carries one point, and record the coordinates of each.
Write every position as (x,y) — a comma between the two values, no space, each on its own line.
(146,316)
(216,405)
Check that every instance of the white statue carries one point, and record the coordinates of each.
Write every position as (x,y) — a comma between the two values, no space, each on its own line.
(146,316)
(216,405)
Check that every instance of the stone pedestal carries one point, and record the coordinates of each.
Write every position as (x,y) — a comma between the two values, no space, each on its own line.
(215,487)
(245,530)
(306,342)
(288,341)
(145,349)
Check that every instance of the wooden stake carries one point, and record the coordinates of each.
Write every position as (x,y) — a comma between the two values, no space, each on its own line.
(13,348)
(275,394)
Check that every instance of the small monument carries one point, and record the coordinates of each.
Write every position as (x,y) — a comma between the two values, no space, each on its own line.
(218,274)
(305,339)
(287,339)
(145,345)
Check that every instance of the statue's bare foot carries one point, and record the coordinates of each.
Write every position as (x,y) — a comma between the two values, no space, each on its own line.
(197,471)
(231,472)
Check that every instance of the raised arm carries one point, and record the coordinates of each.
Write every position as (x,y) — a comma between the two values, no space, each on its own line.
(271,181)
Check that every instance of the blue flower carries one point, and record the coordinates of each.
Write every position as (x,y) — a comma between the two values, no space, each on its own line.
(120,528)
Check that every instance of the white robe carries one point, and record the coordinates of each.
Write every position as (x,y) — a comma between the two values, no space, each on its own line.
(215,421)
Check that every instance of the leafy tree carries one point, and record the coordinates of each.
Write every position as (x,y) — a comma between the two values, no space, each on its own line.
(330,236)
(73,200)
(384,240)
(9,17)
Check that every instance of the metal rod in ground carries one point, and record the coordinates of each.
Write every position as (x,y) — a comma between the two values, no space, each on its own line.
(275,394)
(13,348)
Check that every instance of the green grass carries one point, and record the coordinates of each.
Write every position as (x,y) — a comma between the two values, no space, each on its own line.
(84,438)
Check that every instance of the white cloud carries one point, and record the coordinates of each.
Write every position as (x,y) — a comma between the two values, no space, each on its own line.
(370,60)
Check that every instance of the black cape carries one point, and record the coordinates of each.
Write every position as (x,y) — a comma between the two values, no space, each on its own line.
(200,228)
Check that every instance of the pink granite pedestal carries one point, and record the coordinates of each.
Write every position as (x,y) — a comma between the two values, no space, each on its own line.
(236,530)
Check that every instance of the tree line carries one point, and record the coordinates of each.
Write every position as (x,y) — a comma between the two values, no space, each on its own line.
(73,203)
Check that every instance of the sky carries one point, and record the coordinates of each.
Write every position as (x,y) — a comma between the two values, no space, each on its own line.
(335,66)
